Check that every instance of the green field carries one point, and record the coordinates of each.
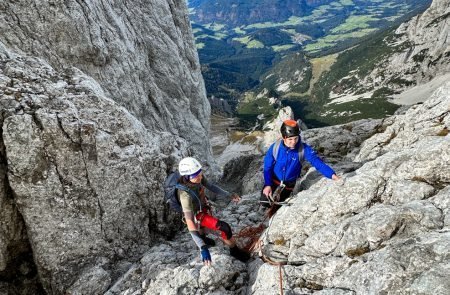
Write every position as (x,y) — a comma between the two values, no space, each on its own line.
(249,42)
(239,59)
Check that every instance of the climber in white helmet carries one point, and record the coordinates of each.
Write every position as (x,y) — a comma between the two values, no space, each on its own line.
(197,213)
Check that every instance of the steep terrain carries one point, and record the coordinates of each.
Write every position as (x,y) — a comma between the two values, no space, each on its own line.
(426,52)
(97,109)
(363,78)
(98,100)
(138,51)
(383,229)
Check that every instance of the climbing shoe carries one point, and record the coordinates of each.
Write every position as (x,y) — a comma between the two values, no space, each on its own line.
(239,254)
(208,241)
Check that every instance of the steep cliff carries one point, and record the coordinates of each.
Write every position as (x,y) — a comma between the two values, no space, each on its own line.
(427,46)
(98,101)
(416,53)
(141,53)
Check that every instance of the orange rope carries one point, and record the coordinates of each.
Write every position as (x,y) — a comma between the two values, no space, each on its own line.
(249,236)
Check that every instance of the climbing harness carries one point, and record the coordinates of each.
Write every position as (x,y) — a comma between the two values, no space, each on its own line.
(278,191)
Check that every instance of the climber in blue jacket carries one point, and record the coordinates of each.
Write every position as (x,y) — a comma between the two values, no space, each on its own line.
(282,165)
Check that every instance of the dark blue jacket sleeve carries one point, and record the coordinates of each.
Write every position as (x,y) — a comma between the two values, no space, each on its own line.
(215,188)
(269,162)
(311,156)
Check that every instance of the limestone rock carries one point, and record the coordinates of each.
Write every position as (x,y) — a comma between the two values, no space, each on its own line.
(385,227)
(142,54)
(84,174)
(425,43)
(99,101)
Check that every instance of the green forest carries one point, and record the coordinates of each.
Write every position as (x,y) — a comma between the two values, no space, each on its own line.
(247,62)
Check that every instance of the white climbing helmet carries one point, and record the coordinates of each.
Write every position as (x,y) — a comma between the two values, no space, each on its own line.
(189,166)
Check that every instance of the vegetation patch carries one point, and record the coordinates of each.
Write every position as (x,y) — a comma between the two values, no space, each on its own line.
(354,22)
(292,21)
(315,114)
(383,92)
(359,60)
(236,136)
(352,253)
(278,48)
(250,139)
(319,66)
(214,26)
(251,110)
(239,31)
(443,132)
(333,39)
(347,2)
(401,81)
(249,42)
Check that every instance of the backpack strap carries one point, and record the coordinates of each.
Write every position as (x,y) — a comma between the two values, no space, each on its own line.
(276,149)
(190,192)
(301,152)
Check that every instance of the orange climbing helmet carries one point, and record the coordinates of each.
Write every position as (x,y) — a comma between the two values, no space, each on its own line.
(289,128)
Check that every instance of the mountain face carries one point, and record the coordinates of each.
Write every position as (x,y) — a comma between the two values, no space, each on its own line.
(426,53)
(363,81)
(138,57)
(414,54)
(383,229)
(244,12)
(99,100)
(239,51)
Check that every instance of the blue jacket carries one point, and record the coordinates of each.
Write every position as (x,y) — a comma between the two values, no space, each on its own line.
(287,167)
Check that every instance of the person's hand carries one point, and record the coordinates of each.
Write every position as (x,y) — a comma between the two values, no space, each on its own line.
(267,191)
(235,198)
(206,257)
(338,180)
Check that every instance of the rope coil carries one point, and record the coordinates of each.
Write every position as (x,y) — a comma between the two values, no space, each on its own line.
(251,240)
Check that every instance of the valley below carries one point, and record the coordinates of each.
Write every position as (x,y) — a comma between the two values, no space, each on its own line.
(304,56)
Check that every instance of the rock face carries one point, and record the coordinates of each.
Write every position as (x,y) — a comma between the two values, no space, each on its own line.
(425,40)
(384,229)
(83,172)
(142,53)
(98,102)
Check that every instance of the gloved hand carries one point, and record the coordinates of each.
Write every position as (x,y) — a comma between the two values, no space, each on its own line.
(206,257)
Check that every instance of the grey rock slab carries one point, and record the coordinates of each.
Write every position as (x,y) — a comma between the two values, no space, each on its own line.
(142,54)
(84,173)
(383,228)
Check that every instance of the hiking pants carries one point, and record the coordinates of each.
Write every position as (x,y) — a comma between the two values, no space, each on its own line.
(209,221)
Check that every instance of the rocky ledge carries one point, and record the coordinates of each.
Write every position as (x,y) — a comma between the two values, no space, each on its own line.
(383,229)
